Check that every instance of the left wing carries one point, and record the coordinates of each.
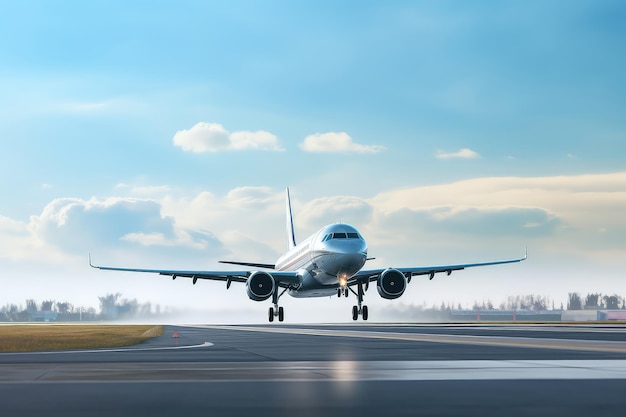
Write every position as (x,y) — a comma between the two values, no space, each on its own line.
(372,274)
(282,278)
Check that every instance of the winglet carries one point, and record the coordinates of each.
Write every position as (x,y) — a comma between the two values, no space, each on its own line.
(291,236)
(90,264)
(525,254)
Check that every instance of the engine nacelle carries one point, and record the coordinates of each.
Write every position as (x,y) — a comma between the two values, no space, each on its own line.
(260,286)
(391,284)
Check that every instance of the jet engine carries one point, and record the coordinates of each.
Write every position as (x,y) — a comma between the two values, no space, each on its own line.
(260,286)
(391,284)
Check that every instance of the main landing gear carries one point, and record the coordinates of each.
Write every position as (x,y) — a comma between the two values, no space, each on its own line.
(360,309)
(276,311)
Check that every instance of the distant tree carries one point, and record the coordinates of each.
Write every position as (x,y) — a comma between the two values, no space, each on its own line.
(31,306)
(539,303)
(592,300)
(47,305)
(574,301)
(108,305)
(64,307)
(612,302)
(128,308)
(23,315)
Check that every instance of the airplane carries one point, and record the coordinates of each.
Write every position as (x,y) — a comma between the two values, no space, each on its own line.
(326,263)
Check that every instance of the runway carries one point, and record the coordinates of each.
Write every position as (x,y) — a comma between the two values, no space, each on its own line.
(330,370)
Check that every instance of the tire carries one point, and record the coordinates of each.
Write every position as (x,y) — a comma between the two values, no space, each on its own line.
(365,313)
(271,314)
(339,292)
(355,313)
(281,314)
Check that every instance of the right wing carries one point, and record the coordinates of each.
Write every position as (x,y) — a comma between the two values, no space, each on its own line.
(282,278)
(372,274)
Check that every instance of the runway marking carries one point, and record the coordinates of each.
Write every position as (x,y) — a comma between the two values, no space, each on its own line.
(340,371)
(525,342)
(53,352)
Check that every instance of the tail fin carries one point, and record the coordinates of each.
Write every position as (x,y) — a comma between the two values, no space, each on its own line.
(291,236)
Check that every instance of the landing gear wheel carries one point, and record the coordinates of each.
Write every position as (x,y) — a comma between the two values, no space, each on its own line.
(355,313)
(339,292)
(345,292)
(281,314)
(364,313)
(271,314)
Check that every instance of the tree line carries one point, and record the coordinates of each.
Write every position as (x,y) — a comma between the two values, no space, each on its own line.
(112,307)
(595,301)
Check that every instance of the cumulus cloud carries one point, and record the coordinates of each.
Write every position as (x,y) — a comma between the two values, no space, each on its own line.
(75,226)
(568,214)
(326,210)
(213,137)
(474,221)
(464,153)
(336,142)
(252,197)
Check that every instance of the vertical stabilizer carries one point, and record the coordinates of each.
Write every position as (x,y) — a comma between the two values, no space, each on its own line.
(291,236)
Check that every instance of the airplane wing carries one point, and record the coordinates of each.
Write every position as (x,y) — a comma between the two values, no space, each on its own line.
(372,274)
(282,278)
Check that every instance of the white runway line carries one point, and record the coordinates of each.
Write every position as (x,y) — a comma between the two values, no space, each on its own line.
(128,349)
(508,341)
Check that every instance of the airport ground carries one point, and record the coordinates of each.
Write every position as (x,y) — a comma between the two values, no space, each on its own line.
(330,370)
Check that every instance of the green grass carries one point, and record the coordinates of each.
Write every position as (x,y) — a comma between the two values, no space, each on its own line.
(34,337)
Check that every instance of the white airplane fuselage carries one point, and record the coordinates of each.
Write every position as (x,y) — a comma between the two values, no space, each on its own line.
(324,260)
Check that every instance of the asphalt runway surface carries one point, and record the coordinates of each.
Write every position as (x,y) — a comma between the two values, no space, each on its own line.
(330,370)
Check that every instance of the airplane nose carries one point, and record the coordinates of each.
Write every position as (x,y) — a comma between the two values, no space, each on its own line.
(351,263)
(351,247)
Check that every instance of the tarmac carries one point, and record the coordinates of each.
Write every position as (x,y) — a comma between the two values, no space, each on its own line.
(330,370)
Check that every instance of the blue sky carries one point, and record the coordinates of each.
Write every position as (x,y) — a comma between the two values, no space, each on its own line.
(164,133)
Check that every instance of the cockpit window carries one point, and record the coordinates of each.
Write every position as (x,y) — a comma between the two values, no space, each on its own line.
(341,235)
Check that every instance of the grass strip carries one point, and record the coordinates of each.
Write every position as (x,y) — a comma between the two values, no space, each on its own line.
(36,337)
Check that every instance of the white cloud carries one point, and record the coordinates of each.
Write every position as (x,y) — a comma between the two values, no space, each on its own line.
(564,213)
(115,225)
(464,153)
(213,137)
(336,142)
(326,210)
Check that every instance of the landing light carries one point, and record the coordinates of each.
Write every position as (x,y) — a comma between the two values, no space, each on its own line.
(343,281)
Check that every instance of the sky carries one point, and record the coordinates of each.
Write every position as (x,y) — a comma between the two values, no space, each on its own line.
(163,134)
